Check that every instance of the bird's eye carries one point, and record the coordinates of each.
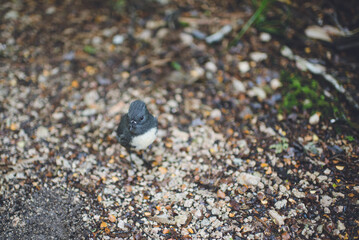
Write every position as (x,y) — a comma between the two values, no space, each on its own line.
(141,118)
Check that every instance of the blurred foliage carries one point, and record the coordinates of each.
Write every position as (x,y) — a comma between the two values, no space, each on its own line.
(271,16)
(89,49)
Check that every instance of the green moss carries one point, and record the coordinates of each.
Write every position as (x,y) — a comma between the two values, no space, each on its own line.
(306,94)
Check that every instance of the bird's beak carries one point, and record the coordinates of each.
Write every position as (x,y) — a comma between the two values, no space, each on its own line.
(132,125)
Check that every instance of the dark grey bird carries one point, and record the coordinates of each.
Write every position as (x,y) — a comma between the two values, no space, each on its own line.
(138,127)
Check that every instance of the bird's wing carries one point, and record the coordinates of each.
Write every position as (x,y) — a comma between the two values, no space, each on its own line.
(122,131)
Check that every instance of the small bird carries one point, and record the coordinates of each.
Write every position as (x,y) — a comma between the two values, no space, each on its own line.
(137,128)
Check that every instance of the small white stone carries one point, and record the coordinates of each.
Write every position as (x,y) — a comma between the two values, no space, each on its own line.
(91,97)
(280,204)
(298,194)
(322,178)
(50,10)
(314,119)
(187,39)
(42,132)
(341,226)
(249,179)
(244,66)
(118,39)
(265,37)
(188,203)
(257,92)
(216,211)
(238,86)
(275,83)
(58,115)
(121,224)
(278,219)
(258,56)
(326,201)
(216,114)
(210,66)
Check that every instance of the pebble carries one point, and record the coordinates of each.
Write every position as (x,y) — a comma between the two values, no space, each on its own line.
(91,97)
(210,66)
(50,10)
(89,112)
(42,132)
(322,178)
(188,203)
(186,39)
(278,219)
(218,36)
(275,83)
(314,119)
(257,92)
(205,222)
(326,201)
(11,15)
(58,115)
(238,86)
(244,66)
(258,56)
(216,114)
(248,179)
(280,204)
(298,194)
(216,211)
(265,37)
(118,39)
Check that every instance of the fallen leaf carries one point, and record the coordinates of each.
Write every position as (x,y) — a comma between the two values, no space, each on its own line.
(103,225)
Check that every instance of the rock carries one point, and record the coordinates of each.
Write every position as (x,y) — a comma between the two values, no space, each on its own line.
(341,226)
(280,204)
(317,32)
(248,179)
(198,34)
(89,112)
(58,115)
(275,83)
(216,114)
(180,136)
(326,201)
(298,194)
(50,10)
(314,119)
(258,56)
(216,211)
(218,36)
(278,219)
(244,66)
(265,37)
(322,178)
(91,97)
(42,132)
(11,15)
(121,224)
(257,92)
(181,219)
(188,203)
(210,66)
(186,39)
(238,86)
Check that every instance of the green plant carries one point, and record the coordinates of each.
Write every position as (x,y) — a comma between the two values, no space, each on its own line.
(280,146)
(306,94)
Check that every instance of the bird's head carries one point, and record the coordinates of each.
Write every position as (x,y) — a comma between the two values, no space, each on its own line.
(138,115)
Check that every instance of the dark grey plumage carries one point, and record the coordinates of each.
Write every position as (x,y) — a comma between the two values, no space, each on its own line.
(137,128)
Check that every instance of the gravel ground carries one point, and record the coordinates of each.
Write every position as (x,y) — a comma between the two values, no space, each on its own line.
(225,165)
